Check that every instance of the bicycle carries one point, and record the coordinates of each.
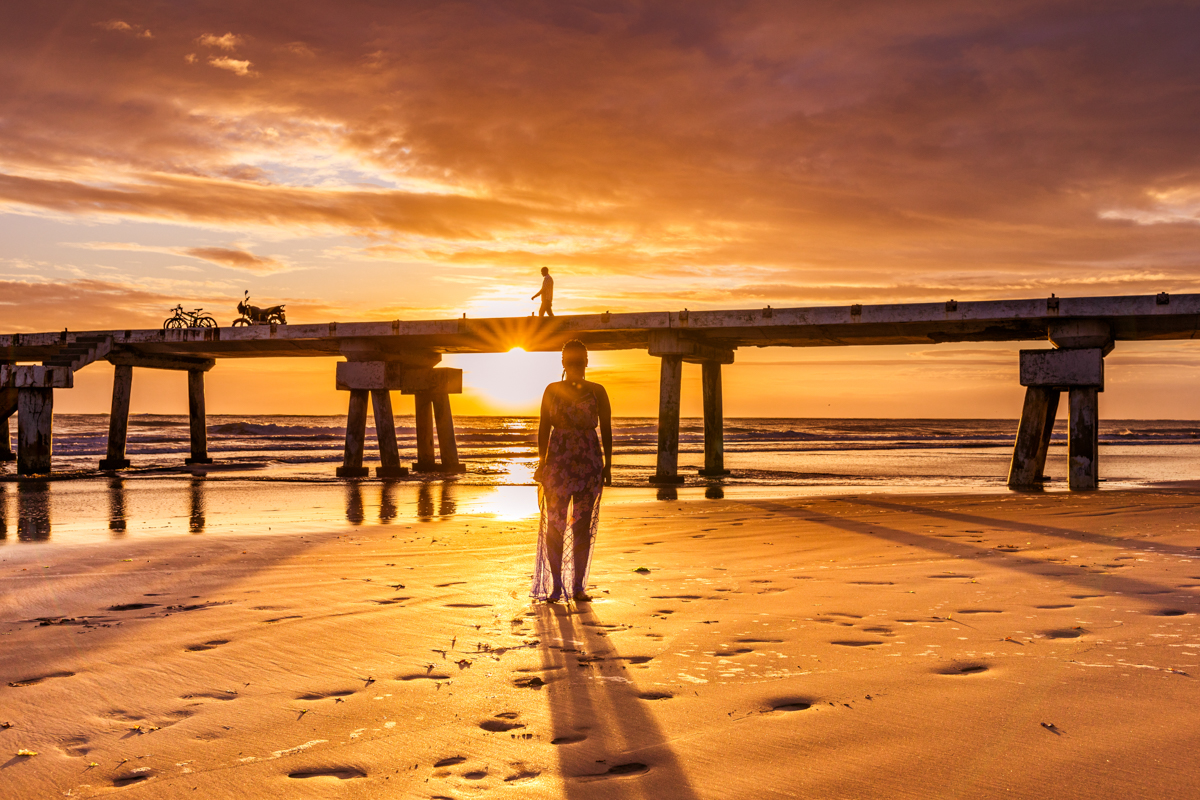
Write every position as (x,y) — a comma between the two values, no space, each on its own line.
(188,319)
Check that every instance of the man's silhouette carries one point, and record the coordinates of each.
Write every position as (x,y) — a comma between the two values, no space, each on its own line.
(547,294)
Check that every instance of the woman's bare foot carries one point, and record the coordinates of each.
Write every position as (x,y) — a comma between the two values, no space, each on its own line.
(554,596)
(581,597)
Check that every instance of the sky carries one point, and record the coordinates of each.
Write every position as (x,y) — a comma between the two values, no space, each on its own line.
(384,160)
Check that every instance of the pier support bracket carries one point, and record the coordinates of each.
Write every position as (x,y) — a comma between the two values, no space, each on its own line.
(1048,373)
(432,389)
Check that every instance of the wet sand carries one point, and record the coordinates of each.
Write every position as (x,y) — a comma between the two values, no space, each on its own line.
(857,646)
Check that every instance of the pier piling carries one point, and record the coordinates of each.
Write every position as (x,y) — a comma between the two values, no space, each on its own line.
(1033,438)
(35,421)
(1083,440)
(714,420)
(669,385)
(196,418)
(385,434)
(426,461)
(118,419)
(447,445)
(356,435)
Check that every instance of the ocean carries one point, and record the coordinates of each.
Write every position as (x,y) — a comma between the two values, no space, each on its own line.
(260,463)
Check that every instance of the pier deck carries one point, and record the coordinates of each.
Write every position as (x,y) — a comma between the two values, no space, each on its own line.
(400,355)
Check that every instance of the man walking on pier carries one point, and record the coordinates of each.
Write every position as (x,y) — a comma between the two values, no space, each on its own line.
(547,294)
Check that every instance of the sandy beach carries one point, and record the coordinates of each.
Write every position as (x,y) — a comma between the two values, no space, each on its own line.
(859,646)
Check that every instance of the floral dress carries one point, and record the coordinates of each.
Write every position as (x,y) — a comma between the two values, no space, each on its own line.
(569,496)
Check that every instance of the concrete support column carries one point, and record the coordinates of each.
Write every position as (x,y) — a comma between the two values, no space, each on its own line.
(356,435)
(670,382)
(385,433)
(35,419)
(1083,438)
(426,461)
(6,451)
(118,419)
(196,418)
(714,420)
(447,446)
(1033,438)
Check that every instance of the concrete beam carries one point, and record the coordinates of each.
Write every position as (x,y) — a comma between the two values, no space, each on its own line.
(1063,368)
(34,377)
(1074,334)
(362,349)
(128,359)
(396,377)
(673,343)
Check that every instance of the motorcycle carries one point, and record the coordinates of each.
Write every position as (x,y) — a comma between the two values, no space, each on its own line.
(253,315)
(188,319)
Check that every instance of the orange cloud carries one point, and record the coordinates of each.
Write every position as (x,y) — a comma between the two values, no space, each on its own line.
(226,42)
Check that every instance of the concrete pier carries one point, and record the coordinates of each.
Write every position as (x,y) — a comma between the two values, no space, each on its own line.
(35,444)
(118,419)
(431,388)
(1028,467)
(669,385)
(356,434)
(8,407)
(385,434)
(197,422)
(714,420)
(1083,440)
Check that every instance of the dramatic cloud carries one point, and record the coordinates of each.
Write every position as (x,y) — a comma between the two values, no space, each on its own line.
(651,153)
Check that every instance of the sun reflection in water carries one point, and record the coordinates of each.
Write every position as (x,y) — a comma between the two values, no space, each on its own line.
(506,503)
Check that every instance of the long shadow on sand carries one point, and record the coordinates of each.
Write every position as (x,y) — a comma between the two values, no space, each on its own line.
(1028,527)
(1082,577)
(609,741)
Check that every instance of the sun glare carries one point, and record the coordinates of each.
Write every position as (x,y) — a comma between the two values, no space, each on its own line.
(512,382)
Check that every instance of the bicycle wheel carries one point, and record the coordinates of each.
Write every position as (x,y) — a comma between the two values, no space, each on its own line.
(174,323)
(206,322)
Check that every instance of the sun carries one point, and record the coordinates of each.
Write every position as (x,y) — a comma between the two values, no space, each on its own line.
(512,382)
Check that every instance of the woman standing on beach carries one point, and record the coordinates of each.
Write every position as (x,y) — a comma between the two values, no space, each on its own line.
(571,472)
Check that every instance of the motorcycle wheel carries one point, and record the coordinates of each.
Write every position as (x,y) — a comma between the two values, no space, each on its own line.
(206,322)
(278,318)
(240,322)
(174,323)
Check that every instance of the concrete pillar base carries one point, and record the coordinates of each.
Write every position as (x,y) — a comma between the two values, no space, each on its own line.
(197,460)
(713,473)
(433,466)
(391,472)
(353,472)
(675,479)
(109,464)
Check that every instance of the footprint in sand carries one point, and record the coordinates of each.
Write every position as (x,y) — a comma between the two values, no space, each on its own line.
(1170,612)
(136,776)
(452,583)
(572,738)
(76,746)
(655,696)
(617,771)
(872,583)
(856,642)
(741,651)
(449,762)
(325,695)
(979,611)
(390,601)
(132,606)
(1056,606)
(963,668)
(791,704)
(281,619)
(225,695)
(196,648)
(506,721)
(338,773)
(468,605)
(760,641)
(424,676)
(36,680)
(1064,633)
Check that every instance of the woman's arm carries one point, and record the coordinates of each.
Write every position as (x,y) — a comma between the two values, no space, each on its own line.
(544,426)
(605,410)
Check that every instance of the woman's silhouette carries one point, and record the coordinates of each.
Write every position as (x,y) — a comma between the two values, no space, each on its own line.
(571,472)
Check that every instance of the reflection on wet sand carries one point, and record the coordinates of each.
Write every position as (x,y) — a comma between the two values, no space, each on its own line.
(117,515)
(388,510)
(446,504)
(3,512)
(33,511)
(196,518)
(715,492)
(666,493)
(354,503)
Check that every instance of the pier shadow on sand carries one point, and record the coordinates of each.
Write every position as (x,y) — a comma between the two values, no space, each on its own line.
(602,725)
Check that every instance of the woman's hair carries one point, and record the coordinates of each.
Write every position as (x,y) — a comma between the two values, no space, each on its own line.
(574,349)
